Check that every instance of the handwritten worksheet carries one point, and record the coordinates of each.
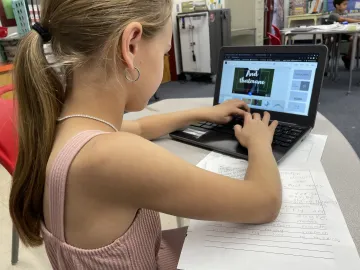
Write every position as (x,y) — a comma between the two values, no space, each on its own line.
(310,232)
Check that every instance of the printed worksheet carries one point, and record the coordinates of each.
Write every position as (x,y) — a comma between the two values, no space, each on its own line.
(310,232)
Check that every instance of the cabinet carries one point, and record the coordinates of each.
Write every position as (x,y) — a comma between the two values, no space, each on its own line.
(202,34)
(167,72)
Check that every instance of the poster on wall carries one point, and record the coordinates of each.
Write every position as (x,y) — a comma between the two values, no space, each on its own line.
(315,6)
(298,7)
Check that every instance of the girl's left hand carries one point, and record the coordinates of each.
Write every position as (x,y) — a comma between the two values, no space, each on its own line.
(224,112)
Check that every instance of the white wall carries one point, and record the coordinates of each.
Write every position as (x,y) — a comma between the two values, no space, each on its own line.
(286,12)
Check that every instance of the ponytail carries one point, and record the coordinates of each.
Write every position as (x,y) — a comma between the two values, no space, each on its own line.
(40,95)
(81,31)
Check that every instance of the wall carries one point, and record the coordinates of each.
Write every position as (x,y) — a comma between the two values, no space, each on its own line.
(247,40)
(286,12)
(246,15)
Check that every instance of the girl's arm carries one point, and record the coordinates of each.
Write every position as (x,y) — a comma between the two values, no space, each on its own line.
(140,174)
(152,127)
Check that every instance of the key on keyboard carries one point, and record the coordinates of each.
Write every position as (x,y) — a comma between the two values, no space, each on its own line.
(285,135)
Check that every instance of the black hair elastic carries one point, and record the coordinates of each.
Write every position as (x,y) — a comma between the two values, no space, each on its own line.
(44,33)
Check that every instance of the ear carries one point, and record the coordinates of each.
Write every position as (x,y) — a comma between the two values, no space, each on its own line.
(130,41)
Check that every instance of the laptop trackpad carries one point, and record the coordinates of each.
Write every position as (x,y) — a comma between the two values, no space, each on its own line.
(223,142)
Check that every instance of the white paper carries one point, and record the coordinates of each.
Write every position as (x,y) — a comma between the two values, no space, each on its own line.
(309,151)
(334,26)
(310,232)
(221,164)
(357,5)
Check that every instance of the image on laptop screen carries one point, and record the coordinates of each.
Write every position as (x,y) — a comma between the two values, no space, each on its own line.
(272,82)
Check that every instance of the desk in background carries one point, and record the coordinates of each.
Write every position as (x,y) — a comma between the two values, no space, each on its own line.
(302,20)
(336,32)
(342,168)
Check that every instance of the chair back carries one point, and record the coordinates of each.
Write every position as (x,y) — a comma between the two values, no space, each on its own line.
(274,40)
(277,32)
(326,21)
(8,137)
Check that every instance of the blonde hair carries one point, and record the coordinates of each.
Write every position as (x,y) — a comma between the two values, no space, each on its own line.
(81,31)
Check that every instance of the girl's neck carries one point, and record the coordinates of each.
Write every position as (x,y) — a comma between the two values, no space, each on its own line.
(95,98)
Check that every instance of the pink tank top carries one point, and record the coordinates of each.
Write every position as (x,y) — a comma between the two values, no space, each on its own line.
(141,247)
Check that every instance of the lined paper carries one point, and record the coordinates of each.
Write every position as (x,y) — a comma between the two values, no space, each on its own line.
(310,232)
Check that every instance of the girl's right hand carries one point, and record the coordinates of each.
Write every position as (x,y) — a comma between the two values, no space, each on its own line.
(256,130)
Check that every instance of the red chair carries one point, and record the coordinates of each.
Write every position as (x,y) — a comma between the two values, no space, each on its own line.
(8,147)
(273,39)
(277,32)
(8,150)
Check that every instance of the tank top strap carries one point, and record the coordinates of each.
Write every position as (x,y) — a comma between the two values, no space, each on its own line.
(58,176)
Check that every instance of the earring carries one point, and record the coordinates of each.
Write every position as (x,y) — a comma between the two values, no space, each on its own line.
(127,75)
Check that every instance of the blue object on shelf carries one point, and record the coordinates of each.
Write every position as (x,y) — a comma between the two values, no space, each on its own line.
(21,17)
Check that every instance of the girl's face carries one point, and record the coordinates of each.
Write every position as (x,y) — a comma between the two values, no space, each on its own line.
(149,59)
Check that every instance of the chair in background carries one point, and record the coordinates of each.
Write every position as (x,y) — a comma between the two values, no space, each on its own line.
(8,151)
(333,45)
(277,32)
(274,40)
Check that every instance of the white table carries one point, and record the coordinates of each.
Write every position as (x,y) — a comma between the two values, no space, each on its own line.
(286,33)
(340,161)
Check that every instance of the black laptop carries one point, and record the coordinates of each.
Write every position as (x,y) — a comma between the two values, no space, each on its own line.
(283,80)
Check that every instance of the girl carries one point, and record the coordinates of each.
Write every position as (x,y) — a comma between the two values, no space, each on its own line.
(90,185)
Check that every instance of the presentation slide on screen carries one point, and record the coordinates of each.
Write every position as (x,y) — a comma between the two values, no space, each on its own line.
(272,86)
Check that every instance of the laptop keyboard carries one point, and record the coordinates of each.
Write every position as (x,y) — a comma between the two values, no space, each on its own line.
(285,134)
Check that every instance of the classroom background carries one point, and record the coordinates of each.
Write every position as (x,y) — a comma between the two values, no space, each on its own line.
(190,73)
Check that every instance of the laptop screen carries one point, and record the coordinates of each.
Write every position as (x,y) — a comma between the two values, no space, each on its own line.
(279,82)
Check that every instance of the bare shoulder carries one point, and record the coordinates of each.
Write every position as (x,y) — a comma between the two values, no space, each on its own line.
(122,156)
(116,157)
(117,147)
(101,152)
(129,169)
(105,163)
